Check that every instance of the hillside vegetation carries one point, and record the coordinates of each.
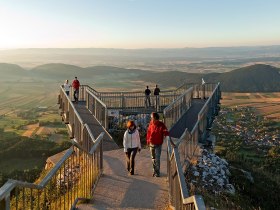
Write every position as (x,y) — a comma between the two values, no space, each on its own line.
(255,78)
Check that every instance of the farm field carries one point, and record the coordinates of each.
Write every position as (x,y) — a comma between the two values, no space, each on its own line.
(26,96)
(267,104)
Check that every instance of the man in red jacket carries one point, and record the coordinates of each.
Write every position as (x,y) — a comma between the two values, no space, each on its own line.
(155,135)
(76,86)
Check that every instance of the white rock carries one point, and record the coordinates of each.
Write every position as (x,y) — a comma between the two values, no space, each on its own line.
(224,161)
(220,181)
(196,173)
(230,189)
(213,170)
(228,173)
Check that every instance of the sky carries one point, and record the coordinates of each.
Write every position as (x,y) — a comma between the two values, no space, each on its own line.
(135,24)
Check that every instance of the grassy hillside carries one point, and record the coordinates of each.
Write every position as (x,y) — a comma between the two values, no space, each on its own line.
(11,72)
(255,78)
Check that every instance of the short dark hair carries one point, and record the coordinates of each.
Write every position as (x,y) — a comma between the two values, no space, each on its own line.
(155,115)
(147,86)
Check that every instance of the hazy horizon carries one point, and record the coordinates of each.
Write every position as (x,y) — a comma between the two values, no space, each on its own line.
(138,24)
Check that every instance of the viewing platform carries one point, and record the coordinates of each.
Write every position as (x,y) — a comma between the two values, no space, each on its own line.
(92,173)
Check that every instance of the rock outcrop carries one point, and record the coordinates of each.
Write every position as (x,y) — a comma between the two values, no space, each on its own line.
(210,173)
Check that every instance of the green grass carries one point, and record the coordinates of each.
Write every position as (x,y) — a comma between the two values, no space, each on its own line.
(7,166)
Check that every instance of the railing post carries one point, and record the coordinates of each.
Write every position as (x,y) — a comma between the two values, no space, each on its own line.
(95,107)
(203,91)
(122,101)
(66,121)
(58,99)
(87,100)
(106,118)
(7,202)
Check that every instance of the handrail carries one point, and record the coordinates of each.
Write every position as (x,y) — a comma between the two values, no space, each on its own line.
(187,143)
(72,105)
(88,90)
(11,184)
(190,202)
(208,100)
(178,98)
(174,111)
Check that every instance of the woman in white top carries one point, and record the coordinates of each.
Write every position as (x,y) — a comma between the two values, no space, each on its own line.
(66,87)
(131,143)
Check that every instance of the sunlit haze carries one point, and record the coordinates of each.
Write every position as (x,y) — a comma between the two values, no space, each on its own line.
(138,23)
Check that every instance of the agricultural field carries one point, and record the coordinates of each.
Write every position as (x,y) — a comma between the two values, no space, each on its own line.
(267,104)
(30,128)
(27,95)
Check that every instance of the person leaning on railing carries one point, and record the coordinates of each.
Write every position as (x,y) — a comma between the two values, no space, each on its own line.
(155,135)
(131,144)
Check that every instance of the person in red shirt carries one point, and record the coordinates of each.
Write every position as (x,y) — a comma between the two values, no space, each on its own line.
(76,86)
(155,135)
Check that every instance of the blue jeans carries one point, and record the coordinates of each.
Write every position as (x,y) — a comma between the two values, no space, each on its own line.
(155,154)
(157,107)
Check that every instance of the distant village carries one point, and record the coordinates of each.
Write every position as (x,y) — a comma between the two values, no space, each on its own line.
(246,124)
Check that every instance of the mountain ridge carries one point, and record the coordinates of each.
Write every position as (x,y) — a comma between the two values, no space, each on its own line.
(254,78)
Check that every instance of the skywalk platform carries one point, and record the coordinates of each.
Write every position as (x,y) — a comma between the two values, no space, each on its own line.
(118,190)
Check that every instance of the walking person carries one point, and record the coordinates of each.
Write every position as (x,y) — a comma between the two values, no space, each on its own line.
(156,94)
(66,87)
(76,86)
(155,135)
(147,97)
(131,144)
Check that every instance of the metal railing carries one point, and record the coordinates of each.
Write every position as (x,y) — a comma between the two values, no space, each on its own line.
(173,112)
(179,197)
(208,111)
(76,127)
(97,108)
(74,176)
(185,149)
(135,100)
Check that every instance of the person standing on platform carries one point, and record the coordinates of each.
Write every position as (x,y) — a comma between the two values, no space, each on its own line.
(147,97)
(156,94)
(131,144)
(155,135)
(66,87)
(76,86)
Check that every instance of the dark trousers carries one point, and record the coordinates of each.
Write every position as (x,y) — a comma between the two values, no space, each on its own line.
(130,159)
(147,101)
(76,95)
